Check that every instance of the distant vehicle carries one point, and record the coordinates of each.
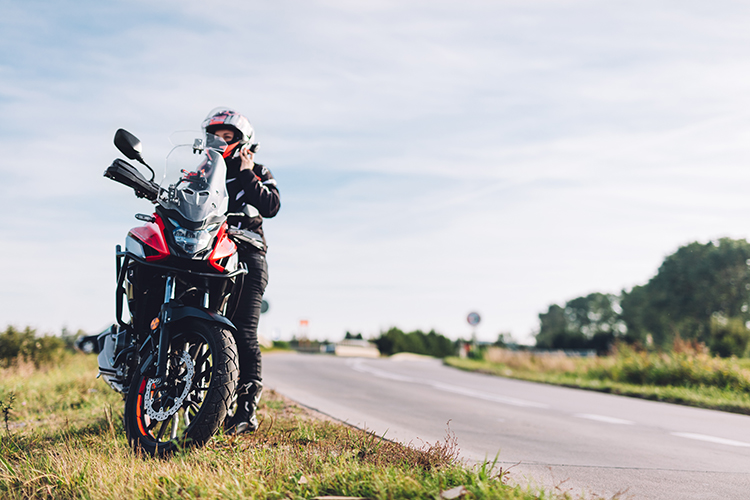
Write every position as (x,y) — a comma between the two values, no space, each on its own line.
(356,348)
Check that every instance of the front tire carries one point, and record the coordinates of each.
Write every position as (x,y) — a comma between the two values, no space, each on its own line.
(190,406)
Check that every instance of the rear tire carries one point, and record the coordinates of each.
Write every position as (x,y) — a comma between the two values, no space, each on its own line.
(202,373)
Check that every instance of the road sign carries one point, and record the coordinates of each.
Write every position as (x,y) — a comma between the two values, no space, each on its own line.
(473,318)
(263,306)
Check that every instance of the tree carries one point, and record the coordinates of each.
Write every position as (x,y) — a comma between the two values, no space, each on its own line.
(505,339)
(590,322)
(696,283)
(553,326)
(637,315)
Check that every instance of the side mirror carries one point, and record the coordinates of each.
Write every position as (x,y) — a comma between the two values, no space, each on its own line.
(129,145)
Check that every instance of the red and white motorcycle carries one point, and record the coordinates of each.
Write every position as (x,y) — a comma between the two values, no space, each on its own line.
(174,357)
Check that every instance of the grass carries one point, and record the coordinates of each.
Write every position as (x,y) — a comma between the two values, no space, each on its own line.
(687,375)
(64,439)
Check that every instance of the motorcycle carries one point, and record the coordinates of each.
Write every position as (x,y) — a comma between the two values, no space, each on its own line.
(174,357)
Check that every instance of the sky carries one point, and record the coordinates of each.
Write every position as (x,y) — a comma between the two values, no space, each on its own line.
(434,158)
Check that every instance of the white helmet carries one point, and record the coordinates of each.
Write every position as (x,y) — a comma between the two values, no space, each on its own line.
(227,118)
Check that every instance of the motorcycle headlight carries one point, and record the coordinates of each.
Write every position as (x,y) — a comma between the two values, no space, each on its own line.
(192,242)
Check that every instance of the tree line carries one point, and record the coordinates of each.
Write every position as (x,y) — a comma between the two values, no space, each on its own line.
(700,293)
(431,343)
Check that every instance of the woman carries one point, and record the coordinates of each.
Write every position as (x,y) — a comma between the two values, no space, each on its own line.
(253,193)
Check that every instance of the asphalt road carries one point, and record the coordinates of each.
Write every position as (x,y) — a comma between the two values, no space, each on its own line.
(555,437)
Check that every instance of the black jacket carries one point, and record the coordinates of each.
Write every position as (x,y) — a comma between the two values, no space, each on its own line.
(253,193)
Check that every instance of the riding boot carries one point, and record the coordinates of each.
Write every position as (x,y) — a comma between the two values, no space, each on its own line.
(244,419)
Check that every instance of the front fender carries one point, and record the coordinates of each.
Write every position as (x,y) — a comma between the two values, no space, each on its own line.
(178,313)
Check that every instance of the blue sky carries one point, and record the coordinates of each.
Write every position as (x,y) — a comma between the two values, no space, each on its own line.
(434,158)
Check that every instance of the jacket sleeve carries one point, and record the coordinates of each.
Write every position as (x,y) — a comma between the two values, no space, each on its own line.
(260,190)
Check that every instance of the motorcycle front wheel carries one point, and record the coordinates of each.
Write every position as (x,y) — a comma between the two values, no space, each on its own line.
(187,408)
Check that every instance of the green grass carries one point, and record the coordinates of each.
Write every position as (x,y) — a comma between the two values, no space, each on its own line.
(64,439)
(687,377)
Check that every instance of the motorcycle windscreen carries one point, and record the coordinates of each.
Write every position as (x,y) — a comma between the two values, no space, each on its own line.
(194,183)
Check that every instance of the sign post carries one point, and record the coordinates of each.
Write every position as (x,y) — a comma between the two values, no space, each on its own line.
(473,319)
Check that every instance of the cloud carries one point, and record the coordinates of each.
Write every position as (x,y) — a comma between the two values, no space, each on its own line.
(433,158)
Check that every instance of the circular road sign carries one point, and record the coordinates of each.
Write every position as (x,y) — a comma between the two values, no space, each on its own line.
(263,306)
(473,318)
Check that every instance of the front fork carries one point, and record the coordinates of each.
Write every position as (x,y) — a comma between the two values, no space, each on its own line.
(164,318)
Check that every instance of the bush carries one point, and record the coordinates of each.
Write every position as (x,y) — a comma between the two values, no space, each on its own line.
(729,337)
(281,344)
(25,345)
(679,368)
(431,344)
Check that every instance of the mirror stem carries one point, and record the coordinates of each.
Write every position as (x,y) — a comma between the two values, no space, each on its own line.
(148,167)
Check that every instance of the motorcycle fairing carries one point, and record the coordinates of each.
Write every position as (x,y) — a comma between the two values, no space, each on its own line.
(151,235)
(223,248)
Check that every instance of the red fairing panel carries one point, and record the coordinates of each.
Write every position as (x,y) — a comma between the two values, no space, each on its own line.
(152,235)
(224,248)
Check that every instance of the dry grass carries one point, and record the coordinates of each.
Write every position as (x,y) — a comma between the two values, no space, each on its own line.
(20,367)
(524,360)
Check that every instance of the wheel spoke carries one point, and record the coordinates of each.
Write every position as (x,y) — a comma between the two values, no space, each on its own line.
(189,414)
(202,358)
(161,430)
(175,421)
(198,386)
(205,372)
(193,350)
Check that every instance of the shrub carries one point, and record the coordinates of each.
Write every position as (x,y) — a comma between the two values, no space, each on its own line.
(431,344)
(281,344)
(681,368)
(729,337)
(17,345)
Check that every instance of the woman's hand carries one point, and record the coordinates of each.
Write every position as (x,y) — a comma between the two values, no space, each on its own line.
(246,156)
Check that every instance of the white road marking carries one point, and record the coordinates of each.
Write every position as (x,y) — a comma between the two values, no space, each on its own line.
(603,418)
(486,396)
(711,439)
(360,366)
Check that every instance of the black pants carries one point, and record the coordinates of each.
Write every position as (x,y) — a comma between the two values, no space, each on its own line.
(247,315)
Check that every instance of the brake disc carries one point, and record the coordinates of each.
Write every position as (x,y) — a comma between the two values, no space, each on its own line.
(165,413)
